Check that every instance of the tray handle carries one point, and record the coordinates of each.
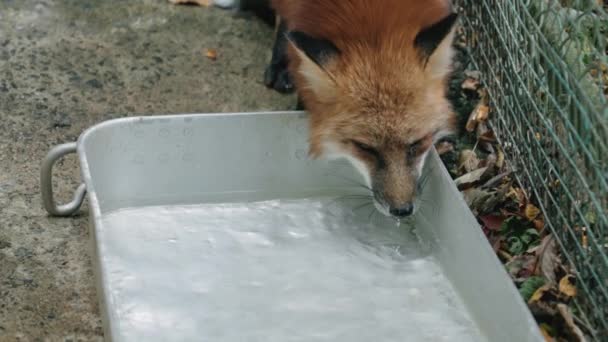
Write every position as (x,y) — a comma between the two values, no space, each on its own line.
(46,183)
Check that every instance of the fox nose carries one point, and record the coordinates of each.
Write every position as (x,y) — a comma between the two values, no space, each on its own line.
(404,210)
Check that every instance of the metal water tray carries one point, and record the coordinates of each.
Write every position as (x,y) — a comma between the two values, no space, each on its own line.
(223,192)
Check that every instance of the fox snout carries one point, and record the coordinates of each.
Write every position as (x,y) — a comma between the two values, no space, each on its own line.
(403,211)
(394,190)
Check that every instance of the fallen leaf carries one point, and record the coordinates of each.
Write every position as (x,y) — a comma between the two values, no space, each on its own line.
(515,245)
(490,203)
(584,239)
(483,112)
(205,3)
(470,83)
(521,267)
(474,196)
(504,255)
(529,287)
(444,147)
(548,261)
(496,180)
(531,212)
(471,122)
(475,74)
(500,159)
(483,94)
(480,113)
(539,224)
(539,293)
(485,137)
(489,162)
(484,133)
(518,196)
(567,287)
(468,161)
(470,178)
(495,240)
(507,213)
(566,314)
(543,309)
(544,330)
(211,54)
(591,217)
(493,222)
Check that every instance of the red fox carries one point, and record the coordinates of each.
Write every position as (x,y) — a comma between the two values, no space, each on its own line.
(373,76)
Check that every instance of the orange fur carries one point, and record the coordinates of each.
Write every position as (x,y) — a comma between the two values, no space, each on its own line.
(378,90)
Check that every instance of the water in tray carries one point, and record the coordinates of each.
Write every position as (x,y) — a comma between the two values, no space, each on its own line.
(290,270)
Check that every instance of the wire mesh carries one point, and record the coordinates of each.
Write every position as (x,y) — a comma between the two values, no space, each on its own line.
(545,65)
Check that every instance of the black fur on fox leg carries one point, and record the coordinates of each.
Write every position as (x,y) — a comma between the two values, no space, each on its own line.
(277,74)
(258,8)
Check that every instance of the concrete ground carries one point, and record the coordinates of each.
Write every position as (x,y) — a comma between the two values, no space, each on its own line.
(66,65)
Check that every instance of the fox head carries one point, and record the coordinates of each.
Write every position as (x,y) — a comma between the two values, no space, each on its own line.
(379,101)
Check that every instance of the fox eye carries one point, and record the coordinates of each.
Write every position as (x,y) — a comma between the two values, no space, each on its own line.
(413,149)
(365,148)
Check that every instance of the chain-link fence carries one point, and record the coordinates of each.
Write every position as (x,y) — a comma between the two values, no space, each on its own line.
(544,64)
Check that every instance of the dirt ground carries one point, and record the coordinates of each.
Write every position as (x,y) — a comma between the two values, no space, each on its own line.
(66,65)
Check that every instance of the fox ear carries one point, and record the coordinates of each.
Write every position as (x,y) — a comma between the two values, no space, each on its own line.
(315,54)
(435,42)
(320,51)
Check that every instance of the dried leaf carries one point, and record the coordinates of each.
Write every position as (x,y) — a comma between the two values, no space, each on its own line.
(470,178)
(474,197)
(591,217)
(567,287)
(476,74)
(496,180)
(471,84)
(485,137)
(490,203)
(518,195)
(539,224)
(485,134)
(585,239)
(521,267)
(468,161)
(472,122)
(566,314)
(489,162)
(483,112)
(530,286)
(507,213)
(493,222)
(539,293)
(483,94)
(544,330)
(496,241)
(531,212)
(444,147)
(211,54)
(504,255)
(480,113)
(548,261)
(205,3)
(543,309)
(500,159)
